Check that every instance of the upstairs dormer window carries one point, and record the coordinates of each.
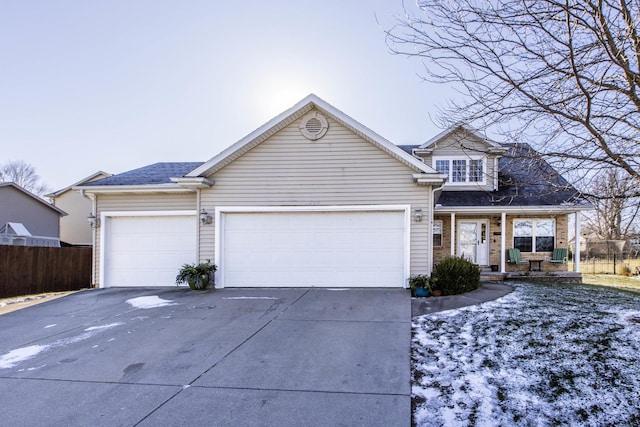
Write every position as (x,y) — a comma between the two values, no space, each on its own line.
(461,170)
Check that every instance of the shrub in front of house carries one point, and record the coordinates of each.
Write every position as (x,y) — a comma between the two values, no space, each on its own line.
(455,275)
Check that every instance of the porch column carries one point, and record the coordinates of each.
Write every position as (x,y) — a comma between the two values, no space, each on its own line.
(453,234)
(503,242)
(576,252)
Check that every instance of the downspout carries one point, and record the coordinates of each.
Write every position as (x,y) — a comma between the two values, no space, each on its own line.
(503,242)
(434,189)
(94,232)
(453,234)
(576,252)
(199,225)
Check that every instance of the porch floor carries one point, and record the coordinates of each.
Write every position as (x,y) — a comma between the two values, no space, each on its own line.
(535,276)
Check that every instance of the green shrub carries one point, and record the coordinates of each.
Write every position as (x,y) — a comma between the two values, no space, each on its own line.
(456,275)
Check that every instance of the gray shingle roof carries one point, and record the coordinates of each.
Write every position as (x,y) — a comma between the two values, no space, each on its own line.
(524,179)
(157,173)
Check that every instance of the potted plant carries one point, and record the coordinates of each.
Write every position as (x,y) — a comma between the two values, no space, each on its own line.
(435,289)
(197,276)
(420,285)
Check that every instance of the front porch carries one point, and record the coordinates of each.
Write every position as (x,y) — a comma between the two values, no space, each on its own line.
(485,239)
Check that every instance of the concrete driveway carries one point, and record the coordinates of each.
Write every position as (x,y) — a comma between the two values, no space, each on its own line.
(154,357)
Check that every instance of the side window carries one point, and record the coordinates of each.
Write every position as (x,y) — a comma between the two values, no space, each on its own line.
(523,235)
(476,171)
(437,233)
(545,235)
(534,235)
(459,171)
(442,166)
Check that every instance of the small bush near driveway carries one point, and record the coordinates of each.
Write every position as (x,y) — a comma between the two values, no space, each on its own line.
(542,355)
(455,275)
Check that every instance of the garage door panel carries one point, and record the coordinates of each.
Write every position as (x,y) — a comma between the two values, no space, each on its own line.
(360,248)
(148,250)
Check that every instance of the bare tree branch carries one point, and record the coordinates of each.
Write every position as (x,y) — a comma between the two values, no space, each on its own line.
(24,175)
(561,75)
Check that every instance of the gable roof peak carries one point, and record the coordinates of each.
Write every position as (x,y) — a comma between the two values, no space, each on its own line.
(464,128)
(287,117)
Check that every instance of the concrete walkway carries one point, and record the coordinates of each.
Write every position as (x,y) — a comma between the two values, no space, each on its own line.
(487,291)
(149,357)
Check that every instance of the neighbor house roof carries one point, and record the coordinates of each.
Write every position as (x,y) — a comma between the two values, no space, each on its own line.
(155,174)
(33,196)
(289,116)
(92,177)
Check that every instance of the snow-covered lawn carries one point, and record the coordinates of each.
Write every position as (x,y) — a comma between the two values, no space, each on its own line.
(543,355)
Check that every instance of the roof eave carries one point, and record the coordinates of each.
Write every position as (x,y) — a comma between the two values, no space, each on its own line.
(524,210)
(429,179)
(151,188)
(197,182)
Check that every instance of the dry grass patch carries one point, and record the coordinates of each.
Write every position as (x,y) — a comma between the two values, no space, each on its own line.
(631,284)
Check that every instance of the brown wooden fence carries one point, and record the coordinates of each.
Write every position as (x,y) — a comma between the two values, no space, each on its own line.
(26,270)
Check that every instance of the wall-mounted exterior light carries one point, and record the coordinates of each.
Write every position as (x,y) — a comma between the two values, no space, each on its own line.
(417,214)
(205,218)
(93,221)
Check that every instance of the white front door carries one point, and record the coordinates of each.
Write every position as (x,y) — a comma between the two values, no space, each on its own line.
(473,242)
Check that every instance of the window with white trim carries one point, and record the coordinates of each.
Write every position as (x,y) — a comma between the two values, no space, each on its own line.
(442,166)
(534,235)
(437,233)
(461,170)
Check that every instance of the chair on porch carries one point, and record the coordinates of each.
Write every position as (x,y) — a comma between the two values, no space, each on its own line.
(514,257)
(559,256)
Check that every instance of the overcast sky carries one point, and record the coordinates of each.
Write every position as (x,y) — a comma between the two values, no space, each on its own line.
(115,85)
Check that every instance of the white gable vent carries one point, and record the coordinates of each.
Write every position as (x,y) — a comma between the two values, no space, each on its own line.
(314,126)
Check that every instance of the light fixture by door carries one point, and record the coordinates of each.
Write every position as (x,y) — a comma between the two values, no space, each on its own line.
(93,221)
(205,218)
(417,214)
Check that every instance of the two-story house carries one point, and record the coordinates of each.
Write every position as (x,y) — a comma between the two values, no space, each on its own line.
(315,198)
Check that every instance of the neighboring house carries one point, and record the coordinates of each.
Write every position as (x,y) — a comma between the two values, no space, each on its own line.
(606,248)
(26,219)
(314,198)
(74,228)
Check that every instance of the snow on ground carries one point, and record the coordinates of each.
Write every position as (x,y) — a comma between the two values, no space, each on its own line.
(19,355)
(12,358)
(151,301)
(543,355)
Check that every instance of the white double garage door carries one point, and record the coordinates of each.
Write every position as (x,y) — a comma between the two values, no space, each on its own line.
(356,247)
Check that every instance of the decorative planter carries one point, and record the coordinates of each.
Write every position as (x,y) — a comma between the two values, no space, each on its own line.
(422,292)
(199,283)
(436,292)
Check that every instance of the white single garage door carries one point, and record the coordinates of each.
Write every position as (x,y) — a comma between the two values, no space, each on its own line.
(324,249)
(147,250)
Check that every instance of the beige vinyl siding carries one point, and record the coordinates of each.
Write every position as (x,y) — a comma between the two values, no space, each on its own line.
(146,202)
(450,147)
(339,169)
(139,202)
